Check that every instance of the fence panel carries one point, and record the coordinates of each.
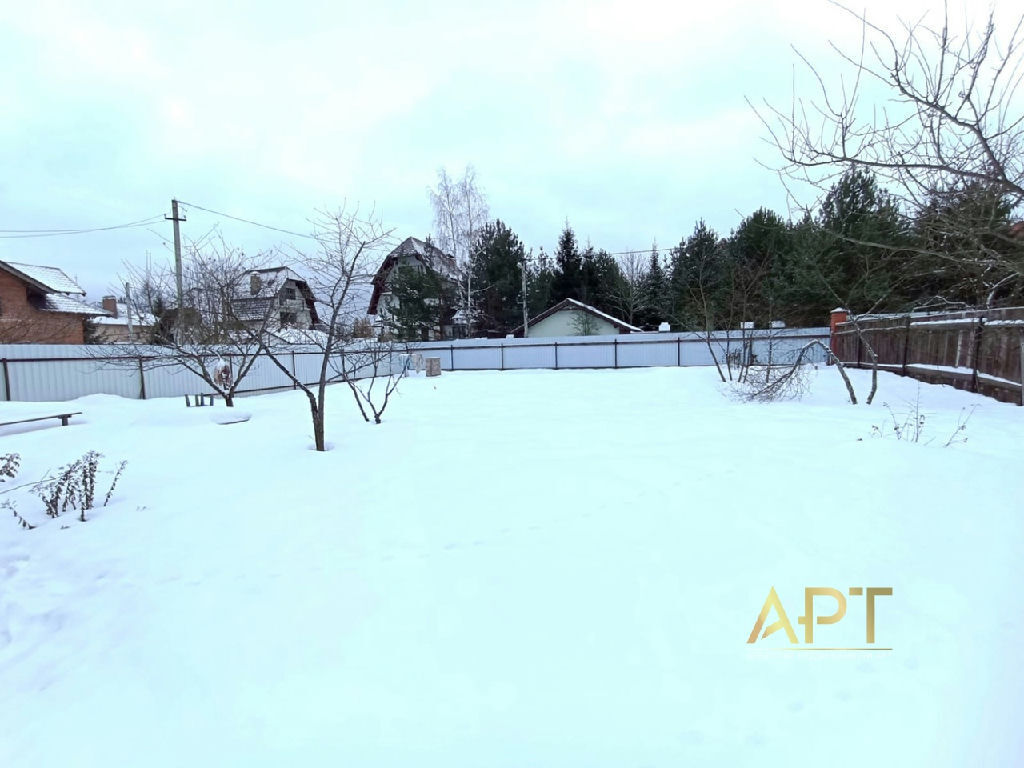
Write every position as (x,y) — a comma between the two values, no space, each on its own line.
(589,354)
(474,358)
(522,356)
(979,350)
(643,353)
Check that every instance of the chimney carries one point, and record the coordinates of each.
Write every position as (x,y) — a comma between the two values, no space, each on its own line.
(110,304)
(254,282)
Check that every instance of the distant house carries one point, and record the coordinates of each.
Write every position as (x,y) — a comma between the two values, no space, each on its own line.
(122,323)
(41,305)
(278,295)
(417,254)
(574,318)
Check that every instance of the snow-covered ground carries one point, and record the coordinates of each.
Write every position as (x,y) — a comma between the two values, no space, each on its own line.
(519,569)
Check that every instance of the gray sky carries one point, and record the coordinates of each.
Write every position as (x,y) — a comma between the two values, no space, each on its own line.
(627,118)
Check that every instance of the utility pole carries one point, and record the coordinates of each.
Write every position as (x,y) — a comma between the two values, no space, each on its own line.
(128,304)
(177,265)
(526,318)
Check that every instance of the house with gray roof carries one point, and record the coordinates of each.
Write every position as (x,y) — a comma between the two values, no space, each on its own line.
(419,255)
(276,298)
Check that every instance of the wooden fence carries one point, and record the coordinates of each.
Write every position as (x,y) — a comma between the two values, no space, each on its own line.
(978,350)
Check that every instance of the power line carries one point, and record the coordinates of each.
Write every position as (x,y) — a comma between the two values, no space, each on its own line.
(12,234)
(246,221)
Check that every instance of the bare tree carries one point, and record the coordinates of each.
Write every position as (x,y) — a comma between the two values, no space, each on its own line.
(214,339)
(460,212)
(788,382)
(339,270)
(951,124)
(629,295)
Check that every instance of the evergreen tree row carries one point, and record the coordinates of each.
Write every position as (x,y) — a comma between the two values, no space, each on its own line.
(857,250)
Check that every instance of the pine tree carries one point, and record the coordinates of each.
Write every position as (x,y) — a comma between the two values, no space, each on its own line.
(697,288)
(568,282)
(497,263)
(755,254)
(540,284)
(655,289)
(605,281)
(424,303)
(855,214)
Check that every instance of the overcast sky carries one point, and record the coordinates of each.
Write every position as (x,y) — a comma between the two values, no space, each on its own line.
(626,118)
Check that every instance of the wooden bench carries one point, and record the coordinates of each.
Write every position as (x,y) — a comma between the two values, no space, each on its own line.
(62,416)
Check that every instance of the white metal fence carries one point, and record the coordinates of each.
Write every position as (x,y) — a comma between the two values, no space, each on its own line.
(54,372)
(635,350)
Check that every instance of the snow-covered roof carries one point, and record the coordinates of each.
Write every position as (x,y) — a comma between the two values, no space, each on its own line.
(252,308)
(138,318)
(429,254)
(51,278)
(271,280)
(59,302)
(53,290)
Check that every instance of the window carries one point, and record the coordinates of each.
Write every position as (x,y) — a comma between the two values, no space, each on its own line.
(289,294)
(288,318)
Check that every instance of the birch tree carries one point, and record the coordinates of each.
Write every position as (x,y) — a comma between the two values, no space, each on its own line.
(460,213)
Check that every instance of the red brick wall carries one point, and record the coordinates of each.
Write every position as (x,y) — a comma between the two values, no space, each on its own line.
(21,323)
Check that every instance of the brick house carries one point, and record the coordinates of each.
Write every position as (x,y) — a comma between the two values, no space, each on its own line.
(41,305)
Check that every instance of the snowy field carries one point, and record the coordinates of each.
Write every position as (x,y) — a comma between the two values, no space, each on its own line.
(519,569)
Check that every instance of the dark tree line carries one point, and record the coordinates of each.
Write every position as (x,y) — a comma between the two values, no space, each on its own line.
(859,249)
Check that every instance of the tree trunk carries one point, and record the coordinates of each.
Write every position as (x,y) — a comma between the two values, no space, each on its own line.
(318,415)
(318,429)
(229,399)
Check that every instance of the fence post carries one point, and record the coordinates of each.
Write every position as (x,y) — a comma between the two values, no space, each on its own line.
(7,380)
(615,348)
(976,353)
(1022,367)
(679,352)
(556,355)
(906,346)
(860,346)
(142,379)
(501,347)
(294,373)
(451,354)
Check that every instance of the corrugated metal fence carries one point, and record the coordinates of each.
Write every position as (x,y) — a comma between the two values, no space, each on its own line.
(39,372)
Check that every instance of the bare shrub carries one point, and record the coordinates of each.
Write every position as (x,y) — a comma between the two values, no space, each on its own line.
(789,382)
(74,486)
(910,425)
(17,516)
(9,465)
(774,383)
